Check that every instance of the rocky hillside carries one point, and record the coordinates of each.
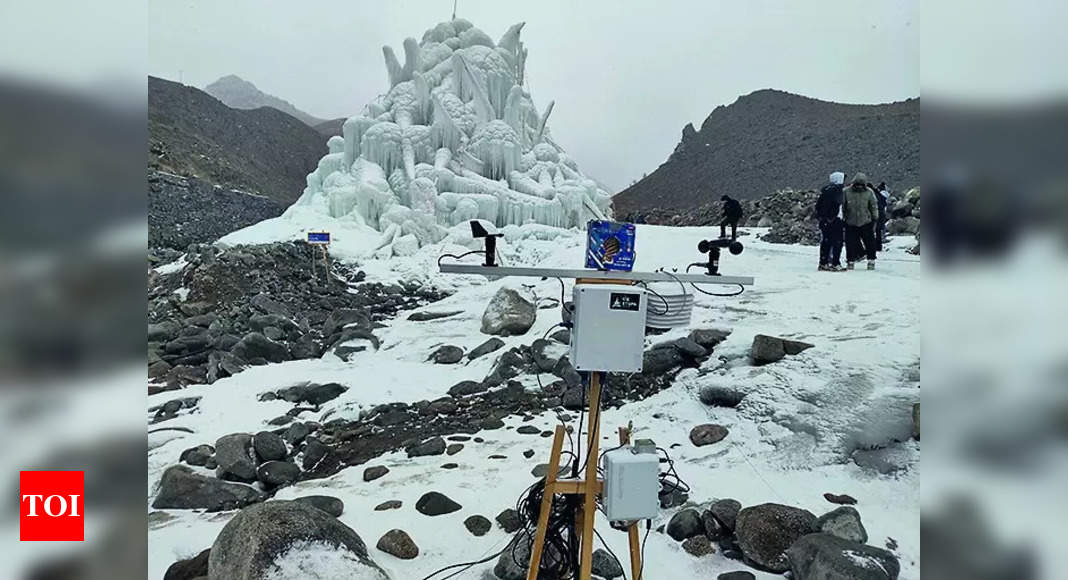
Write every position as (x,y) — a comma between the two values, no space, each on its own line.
(772,140)
(263,151)
(238,93)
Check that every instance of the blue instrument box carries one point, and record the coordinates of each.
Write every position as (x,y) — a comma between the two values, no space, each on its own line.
(609,245)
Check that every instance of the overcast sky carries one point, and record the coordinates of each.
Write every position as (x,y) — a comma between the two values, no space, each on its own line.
(626,75)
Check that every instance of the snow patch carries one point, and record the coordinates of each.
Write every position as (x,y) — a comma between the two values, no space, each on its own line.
(320,561)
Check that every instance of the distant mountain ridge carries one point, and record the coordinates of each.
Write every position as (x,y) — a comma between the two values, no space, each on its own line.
(770,140)
(238,93)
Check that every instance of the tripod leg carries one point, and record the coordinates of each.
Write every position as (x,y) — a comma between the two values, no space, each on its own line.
(546,504)
(589,502)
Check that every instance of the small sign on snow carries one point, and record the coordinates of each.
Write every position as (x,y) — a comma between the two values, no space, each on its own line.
(322,238)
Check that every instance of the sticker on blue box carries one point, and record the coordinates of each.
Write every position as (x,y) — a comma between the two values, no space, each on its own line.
(610,245)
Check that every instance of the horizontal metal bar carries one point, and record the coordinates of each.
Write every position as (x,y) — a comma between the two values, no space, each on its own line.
(597,274)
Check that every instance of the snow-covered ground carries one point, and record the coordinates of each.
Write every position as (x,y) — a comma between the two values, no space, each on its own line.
(789,441)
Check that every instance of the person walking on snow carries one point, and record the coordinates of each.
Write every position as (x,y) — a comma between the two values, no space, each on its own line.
(832,227)
(732,212)
(860,210)
(882,196)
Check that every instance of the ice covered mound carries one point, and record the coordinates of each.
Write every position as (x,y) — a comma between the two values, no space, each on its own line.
(456,137)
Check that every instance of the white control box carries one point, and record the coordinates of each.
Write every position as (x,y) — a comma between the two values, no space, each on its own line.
(609,331)
(631,485)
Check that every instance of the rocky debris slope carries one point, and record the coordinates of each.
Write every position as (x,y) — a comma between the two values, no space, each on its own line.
(769,140)
(238,93)
(214,312)
(187,210)
(263,151)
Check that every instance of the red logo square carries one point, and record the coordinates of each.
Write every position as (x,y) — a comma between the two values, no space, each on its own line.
(51,506)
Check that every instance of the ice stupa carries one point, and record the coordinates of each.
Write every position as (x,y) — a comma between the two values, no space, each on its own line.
(456,137)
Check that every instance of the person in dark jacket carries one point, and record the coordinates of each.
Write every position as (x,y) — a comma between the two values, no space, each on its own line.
(832,227)
(882,197)
(732,212)
(860,211)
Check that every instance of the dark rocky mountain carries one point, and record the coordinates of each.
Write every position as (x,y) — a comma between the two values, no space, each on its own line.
(238,93)
(262,151)
(331,128)
(772,140)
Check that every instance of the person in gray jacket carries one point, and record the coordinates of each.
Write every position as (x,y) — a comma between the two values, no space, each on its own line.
(861,212)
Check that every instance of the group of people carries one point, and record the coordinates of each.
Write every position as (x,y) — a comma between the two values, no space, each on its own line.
(853,215)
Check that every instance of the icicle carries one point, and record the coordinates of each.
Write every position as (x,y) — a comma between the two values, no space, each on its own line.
(544,120)
(442,157)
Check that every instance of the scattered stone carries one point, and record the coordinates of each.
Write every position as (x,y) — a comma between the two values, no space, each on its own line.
(737,575)
(255,346)
(827,557)
(454,448)
(563,336)
(491,345)
(277,473)
(685,524)
(464,388)
(528,453)
(716,396)
(492,423)
(714,528)
(844,523)
(191,569)
(424,316)
(512,563)
(765,531)
(689,347)
(233,453)
(181,488)
(251,542)
(296,433)
(447,354)
(707,434)
(528,430)
(198,455)
(768,349)
(510,312)
(478,525)
(450,465)
(509,520)
(328,504)
(269,446)
(709,337)
(698,546)
(435,504)
(392,504)
(726,511)
(314,452)
(673,498)
(435,446)
(840,499)
(398,543)
(657,361)
(605,565)
(374,472)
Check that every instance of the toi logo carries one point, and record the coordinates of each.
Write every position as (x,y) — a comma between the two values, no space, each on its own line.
(51,506)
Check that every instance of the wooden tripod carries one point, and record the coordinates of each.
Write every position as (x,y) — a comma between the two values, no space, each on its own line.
(587,486)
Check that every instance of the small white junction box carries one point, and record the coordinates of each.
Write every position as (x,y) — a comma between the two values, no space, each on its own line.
(631,485)
(609,332)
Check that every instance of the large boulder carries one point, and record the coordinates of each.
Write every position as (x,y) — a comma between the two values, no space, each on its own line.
(435,504)
(181,488)
(708,434)
(269,446)
(510,312)
(398,543)
(277,473)
(235,457)
(191,569)
(768,349)
(685,524)
(251,545)
(764,532)
(327,503)
(605,565)
(827,557)
(845,523)
(257,346)
(485,348)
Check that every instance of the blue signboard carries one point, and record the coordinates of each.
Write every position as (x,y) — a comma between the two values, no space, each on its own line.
(318,237)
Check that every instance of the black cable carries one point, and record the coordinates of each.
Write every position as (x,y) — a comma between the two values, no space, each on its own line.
(741,288)
(466,566)
(537,375)
(613,554)
(641,570)
(454,256)
(667,306)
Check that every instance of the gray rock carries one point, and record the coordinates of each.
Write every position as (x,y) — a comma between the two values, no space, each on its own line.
(698,546)
(257,346)
(795,346)
(191,569)
(464,388)
(163,331)
(393,504)
(543,359)
(234,455)
(197,455)
(605,565)
(765,531)
(510,312)
(842,499)
(269,446)
(509,520)
(843,522)
(689,347)
(454,448)
(714,529)
(447,354)
(478,525)
(901,209)
(916,421)
(435,446)
(673,498)
(827,557)
(296,433)
(423,316)
(903,226)
(707,434)
(563,336)
(435,504)
(709,337)
(737,575)
(528,430)
(277,473)
(180,488)
(374,472)
(657,361)
(248,546)
(726,511)
(328,504)
(342,317)
(884,460)
(766,349)
(314,452)
(513,561)
(716,396)
(398,543)
(491,345)
(685,524)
